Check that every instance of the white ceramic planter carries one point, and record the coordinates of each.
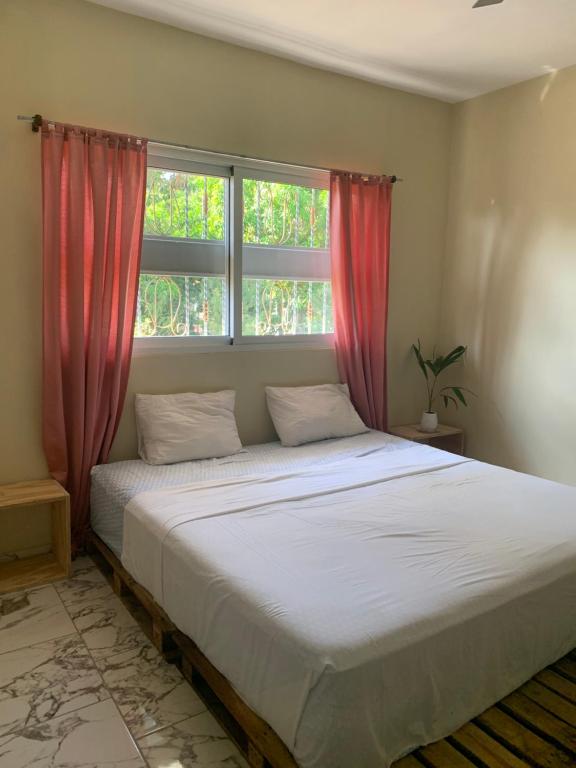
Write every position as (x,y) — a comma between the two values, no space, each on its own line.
(429,421)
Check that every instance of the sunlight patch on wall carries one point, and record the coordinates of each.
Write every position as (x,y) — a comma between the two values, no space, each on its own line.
(552,72)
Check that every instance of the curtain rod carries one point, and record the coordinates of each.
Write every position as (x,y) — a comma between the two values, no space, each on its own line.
(36,121)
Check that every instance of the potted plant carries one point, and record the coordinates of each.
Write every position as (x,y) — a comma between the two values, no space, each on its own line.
(449,394)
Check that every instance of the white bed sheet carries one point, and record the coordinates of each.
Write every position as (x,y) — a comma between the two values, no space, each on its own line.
(114,484)
(370,606)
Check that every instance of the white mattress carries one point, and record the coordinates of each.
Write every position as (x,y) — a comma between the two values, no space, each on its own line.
(113,485)
(369,606)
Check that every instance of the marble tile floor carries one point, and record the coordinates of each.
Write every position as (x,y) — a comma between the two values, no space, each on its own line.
(81,686)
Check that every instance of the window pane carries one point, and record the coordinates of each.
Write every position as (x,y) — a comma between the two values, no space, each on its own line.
(285,214)
(181,305)
(285,307)
(184,205)
(285,260)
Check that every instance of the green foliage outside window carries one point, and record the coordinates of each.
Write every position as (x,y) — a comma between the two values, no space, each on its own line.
(184,205)
(281,307)
(181,305)
(285,214)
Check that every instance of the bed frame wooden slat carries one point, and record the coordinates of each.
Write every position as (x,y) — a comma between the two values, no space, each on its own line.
(522,740)
(478,745)
(540,721)
(409,762)
(261,739)
(534,727)
(566,667)
(441,754)
(557,683)
(552,702)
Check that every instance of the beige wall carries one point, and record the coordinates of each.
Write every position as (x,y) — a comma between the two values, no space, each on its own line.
(510,274)
(77,62)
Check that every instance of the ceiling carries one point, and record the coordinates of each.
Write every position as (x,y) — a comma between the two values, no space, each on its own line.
(439,48)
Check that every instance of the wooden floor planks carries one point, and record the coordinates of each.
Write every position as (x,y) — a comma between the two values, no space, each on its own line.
(534,727)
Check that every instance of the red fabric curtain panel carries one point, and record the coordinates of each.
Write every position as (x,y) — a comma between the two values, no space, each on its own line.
(94,187)
(360,209)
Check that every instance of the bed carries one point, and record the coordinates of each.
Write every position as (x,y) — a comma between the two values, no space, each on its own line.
(364,596)
(114,485)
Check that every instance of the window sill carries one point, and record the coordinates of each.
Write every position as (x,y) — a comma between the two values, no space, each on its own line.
(183,346)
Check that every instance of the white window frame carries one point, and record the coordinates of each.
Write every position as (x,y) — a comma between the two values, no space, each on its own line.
(230,167)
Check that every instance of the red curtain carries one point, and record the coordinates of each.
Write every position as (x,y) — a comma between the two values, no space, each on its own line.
(93,187)
(360,248)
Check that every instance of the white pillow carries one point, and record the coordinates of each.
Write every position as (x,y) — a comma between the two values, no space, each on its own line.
(186,426)
(305,414)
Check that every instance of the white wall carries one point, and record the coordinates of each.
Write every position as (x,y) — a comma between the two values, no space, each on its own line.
(510,274)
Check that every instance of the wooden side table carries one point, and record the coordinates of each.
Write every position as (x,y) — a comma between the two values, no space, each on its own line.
(449,439)
(39,569)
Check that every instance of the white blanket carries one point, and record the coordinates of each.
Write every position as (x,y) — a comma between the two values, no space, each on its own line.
(370,606)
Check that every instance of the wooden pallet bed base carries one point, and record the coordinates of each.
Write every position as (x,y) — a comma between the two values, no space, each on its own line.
(259,743)
(534,727)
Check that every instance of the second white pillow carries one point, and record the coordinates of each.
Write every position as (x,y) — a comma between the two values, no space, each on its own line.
(306,414)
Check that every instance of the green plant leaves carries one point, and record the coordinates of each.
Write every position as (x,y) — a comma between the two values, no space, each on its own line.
(420,359)
(453,356)
(447,399)
(438,363)
(459,394)
(456,396)
(432,368)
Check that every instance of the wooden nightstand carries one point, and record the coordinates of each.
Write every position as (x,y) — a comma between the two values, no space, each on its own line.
(449,439)
(39,569)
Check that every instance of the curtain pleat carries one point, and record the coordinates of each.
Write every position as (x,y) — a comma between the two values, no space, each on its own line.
(94,187)
(360,210)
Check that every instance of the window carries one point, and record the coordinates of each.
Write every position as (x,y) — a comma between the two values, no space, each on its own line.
(286,265)
(260,275)
(183,279)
